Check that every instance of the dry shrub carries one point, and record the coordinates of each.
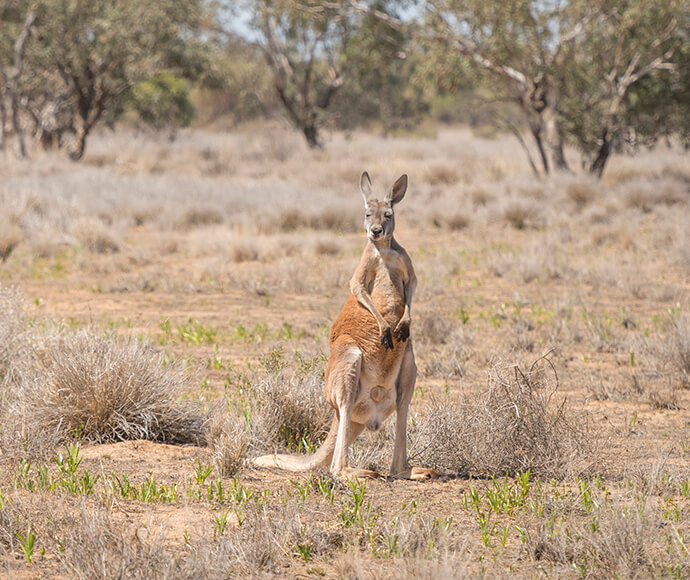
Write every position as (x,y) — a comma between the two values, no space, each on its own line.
(199,217)
(373,450)
(243,252)
(227,438)
(513,426)
(521,215)
(13,520)
(665,362)
(481,197)
(582,194)
(457,221)
(330,219)
(92,386)
(435,327)
(669,356)
(423,546)
(441,175)
(623,543)
(13,327)
(10,237)
(643,197)
(287,403)
(327,247)
(453,221)
(354,567)
(99,548)
(338,220)
(94,235)
(259,545)
(291,220)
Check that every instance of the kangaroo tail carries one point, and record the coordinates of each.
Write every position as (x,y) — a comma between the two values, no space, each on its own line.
(322,457)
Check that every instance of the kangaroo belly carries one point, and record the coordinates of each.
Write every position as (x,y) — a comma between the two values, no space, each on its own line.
(376,397)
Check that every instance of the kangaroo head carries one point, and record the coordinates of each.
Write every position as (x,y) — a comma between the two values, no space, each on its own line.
(379,217)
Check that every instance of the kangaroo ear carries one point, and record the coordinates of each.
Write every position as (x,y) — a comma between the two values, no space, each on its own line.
(365,185)
(398,190)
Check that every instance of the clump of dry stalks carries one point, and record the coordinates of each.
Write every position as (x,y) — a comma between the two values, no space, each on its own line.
(61,384)
(516,424)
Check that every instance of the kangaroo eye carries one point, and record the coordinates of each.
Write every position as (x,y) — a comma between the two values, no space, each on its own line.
(368,215)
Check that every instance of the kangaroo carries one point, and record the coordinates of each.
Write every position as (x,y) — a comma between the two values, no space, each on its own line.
(371,368)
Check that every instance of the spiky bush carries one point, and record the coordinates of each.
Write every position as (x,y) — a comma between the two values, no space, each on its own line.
(227,436)
(13,328)
(87,385)
(516,424)
(287,404)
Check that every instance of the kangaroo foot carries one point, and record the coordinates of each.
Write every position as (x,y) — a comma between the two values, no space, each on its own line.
(416,474)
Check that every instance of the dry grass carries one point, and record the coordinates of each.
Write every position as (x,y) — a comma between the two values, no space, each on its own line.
(198,217)
(288,409)
(99,548)
(93,387)
(517,424)
(249,227)
(441,175)
(94,235)
(10,237)
(522,214)
(620,541)
(664,364)
(228,440)
(582,193)
(13,327)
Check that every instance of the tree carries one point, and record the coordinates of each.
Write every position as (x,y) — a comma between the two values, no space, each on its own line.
(380,63)
(303,43)
(162,101)
(569,66)
(19,20)
(86,56)
(613,72)
(518,46)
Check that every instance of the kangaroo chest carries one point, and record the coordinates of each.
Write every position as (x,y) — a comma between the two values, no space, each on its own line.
(387,287)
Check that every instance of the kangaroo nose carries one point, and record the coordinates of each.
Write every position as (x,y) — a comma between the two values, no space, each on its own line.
(376,229)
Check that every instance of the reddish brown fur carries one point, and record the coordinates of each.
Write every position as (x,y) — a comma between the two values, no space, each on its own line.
(371,370)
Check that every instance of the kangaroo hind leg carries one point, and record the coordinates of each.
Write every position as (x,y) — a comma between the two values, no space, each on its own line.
(342,387)
(405,389)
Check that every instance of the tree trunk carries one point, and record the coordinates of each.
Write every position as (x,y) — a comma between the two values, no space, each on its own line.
(311,134)
(13,85)
(536,130)
(3,123)
(552,133)
(599,164)
(16,123)
(81,132)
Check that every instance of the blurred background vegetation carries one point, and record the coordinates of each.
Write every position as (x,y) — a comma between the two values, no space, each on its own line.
(599,76)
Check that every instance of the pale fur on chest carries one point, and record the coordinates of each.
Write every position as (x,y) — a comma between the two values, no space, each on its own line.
(387,285)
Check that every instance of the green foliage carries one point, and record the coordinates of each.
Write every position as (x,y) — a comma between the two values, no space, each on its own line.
(636,74)
(84,57)
(162,100)
(27,543)
(379,67)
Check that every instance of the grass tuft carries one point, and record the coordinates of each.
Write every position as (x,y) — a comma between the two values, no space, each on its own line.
(227,438)
(290,407)
(88,386)
(94,235)
(515,425)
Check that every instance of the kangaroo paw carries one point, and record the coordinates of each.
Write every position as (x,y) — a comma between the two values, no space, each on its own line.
(402,332)
(387,339)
